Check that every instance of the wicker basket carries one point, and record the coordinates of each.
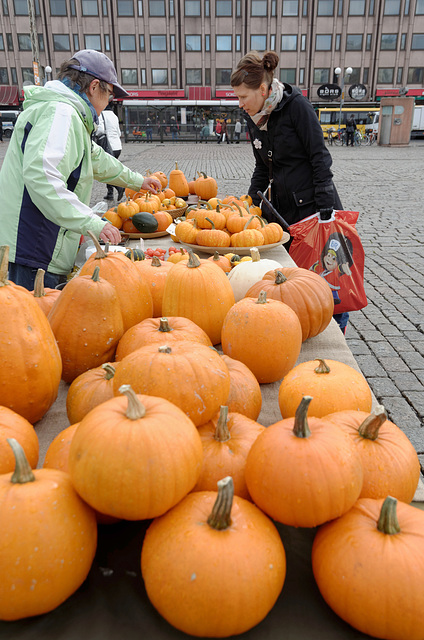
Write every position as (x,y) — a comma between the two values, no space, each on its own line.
(176,213)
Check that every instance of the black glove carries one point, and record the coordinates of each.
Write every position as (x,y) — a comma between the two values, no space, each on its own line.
(325,214)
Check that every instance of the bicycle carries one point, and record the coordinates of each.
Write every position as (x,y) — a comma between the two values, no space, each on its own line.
(370,138)
(330,139)
(340,138)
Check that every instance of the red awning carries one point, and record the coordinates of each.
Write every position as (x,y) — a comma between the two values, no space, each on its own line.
(9,96)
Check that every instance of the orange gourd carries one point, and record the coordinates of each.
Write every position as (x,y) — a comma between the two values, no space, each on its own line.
(57,454)
(128,226)
(368,567)
(247,237)
(334,386)
(200,291)
(160,331)
(245,395)
(87,323)
(223,555)
(187,231)
(226,441)
(205,186)
(164,220)
(31,365)
(304,471)
(390,462)
(161,176)
(113,217)
(190,375)
(127,209)
(12,425)
(147,204)
(221,261)
(178,182)
(154,273)
(212,237)
(142,480)
(48,539)
(44,296)
(263,334)
(88,390)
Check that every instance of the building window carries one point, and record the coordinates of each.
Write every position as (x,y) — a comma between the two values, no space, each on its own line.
(406,8)
(368,42)
(354,42)
(365,75)
(223,76)
(171,8)
(14,75)
(140,7)
(40,42)
(392,7)
(238,42)
(27,74)
(290,8)
(321,75)
(159,76)
(207,9)
(357,7)
(258,43)
(325,8)
(158,43)
(338,42)
(193,76)
(399,75)
(419,8)
(417,41)
(259,8)
(9,41)
(61,42)
(403,42)
(416,75)
(288,75)
(125,7)
(173,77)
(371,8)
(143,76)
(192,7)
(107,42)
(207,42)
(89,8)
(5,8)
(172,42)
(224,8)
(303,42)
(74,8)
(288,43)
(273,8)
(208,77)
(305,8)
(141,42)
(20,7)
(388,42)
(340,7)
(271,42)
(323,42)
(1,42)
(385,75)
(224,43)
(193,43)
(127,42)
(24,42)
(4,78)
(301,75)
(129,76)
(355,75)
(58,7)
(75,38)
(93,42)
(156,8)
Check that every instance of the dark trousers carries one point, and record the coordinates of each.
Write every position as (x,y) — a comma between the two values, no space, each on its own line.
(110,187)
(350,135)
(25,276)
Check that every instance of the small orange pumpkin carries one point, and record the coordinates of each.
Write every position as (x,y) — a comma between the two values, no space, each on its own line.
(88,390)
(12,425)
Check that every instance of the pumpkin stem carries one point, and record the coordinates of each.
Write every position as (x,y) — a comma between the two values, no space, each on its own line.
(164,349)
(322,367)
(164,325)
(280,278)
(371,426)
(96,277)
(222,432)
(216,255)
(100,253)
(23,472)
(220,518)
(255,255)
(248,222)
(109,370)
(135,409)
(156,262)
(301,427)
(4,265)
(209,220)
(39,284)
(239,209)
(193,260)
(262,298)
(388,521)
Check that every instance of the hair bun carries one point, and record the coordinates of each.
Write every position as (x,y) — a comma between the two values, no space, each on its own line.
(270,61)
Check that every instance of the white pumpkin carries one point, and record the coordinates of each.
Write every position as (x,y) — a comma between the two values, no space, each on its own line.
(245,274)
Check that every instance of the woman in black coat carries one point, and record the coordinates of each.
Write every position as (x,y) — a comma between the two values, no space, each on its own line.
(287,140)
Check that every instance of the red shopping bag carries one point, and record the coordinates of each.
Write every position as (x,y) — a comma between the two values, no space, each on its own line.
(332,248)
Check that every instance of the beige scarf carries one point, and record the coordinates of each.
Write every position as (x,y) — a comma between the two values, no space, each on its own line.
(261,118)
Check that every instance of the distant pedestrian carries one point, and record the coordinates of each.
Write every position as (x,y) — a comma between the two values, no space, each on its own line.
(350,131)
(237,131)
(204,133)
(218,131)
(1,129)
(149,130)
(161,130)
(174,128)
(225,137)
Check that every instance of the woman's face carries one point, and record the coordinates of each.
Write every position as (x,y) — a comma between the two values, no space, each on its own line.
(251,100)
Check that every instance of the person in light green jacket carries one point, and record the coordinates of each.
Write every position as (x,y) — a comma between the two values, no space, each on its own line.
(48,171)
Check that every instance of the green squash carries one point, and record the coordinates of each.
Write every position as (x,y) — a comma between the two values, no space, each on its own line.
(145,222)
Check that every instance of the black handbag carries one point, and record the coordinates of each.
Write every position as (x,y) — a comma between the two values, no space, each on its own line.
(102,140)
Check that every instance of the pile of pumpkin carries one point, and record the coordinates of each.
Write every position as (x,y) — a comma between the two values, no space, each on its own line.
(159,419)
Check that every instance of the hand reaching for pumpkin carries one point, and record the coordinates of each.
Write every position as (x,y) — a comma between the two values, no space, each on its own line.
(151,184)
(111,234)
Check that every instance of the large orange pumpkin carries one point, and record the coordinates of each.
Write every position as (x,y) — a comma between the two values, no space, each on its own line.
(154,273)
(45,297)
(205,186)
(245,395)
(304,471)
(368,565)
(48,539)
(30,359)
(178,183)
(226,441)
(86,320)
(200,291)
(135,457)
(263,334)
(160,331)
(334,386)
(303,291)
(57,454)
(390,462)
(12,425)
(88,390)
(224,564)
(190,375)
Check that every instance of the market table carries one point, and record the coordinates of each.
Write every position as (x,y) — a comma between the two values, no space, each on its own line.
(112,602)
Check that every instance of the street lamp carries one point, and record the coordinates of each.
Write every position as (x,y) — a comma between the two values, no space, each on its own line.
(347,73)
(48,71)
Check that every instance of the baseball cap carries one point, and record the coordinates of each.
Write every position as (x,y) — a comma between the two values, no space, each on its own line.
(97,64)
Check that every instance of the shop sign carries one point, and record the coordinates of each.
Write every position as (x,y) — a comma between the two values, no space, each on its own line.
(329,91)
(357,91)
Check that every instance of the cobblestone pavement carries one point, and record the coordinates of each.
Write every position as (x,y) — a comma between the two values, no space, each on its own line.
(385,184)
